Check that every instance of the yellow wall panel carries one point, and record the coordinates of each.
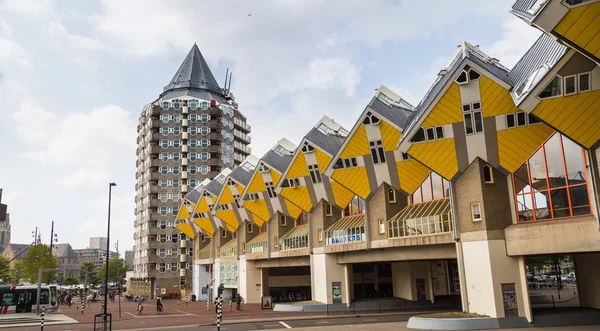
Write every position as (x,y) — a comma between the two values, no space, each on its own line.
(577,116)
(258,208)
(495,99)
(438,155)
(230,228)
(257,184)
(355,179)
(226,196)
(448,109)
(323,160)
(580,26)
(341,195)
(240,188)
(390,136)
(276,176)
(205,224)
(183,213)
(202,206)
(186,228)
(293,210)
(299,167)
(299,196)
(228,216)
(258,221)
(516,145)
(411,174)
(358,144)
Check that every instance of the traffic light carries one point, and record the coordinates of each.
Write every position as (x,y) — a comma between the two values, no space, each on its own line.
(221,289)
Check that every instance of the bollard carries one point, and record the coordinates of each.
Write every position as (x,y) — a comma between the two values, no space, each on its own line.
(42,320)
(219,312)
(82,305)
(186,298)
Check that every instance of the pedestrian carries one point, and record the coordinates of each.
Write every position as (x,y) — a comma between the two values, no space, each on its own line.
(230,304)
(238,301)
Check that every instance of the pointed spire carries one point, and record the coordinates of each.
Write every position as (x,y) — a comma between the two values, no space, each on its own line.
(194,73)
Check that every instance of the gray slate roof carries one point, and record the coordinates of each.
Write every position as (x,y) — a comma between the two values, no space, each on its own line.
(520,8)
(330,143)
(194,73)
(457,64)
(394,114)
(214,187)
(546,50)
(193,196)
(16,248)
(277,161)
(64,251)
(200,94)
(241,175)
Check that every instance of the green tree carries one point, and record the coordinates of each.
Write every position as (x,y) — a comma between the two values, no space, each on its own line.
(4,270)
(71,281)
(92,279)
(117,268)
(39,256)
(16,272)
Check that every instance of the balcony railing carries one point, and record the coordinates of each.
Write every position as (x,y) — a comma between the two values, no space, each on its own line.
(229,249)
(426,218)
(346,230)
(258,244)
(204,253)
(295,238)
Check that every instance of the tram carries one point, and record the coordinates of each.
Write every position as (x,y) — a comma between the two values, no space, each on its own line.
(23,299)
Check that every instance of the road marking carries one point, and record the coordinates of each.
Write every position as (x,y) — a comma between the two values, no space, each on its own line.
(131,314)
(322,322)
(284,324)
(183,312)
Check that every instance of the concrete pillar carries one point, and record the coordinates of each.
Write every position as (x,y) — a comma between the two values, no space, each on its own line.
(324,271)
(264,275)
(489,276)
(249,280)
(348,284)
(408,277)
(588,283)
(201,279)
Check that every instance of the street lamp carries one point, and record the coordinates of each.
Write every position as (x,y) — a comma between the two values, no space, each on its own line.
(110,185)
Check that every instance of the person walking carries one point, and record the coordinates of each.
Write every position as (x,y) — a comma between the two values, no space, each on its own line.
(230,304)
(238,301)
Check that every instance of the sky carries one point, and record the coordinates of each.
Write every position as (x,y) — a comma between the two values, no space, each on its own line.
(75,74)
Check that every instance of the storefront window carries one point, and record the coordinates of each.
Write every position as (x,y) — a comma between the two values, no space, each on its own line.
(552,183)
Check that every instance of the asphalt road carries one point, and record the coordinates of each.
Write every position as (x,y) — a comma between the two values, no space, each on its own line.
(287,324)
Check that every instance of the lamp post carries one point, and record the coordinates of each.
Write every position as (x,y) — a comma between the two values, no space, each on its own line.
(110,185)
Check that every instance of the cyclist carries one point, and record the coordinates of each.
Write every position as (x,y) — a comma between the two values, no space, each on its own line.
(159,305)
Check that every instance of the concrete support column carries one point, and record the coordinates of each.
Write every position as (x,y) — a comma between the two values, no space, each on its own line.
(324,271)
(348,285)
(264,275)
(491,276)
(201,279)
(412,280)
(249,281)
(587,267)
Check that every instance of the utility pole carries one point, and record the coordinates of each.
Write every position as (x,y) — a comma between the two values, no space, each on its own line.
(52,237)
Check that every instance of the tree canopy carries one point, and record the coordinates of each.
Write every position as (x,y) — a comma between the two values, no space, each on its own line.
(4,270)
(117,268)
(39,256)
(92,279)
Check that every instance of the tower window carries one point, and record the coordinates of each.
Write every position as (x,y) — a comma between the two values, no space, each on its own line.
(570,85)
(307,148)
(488,175)
(377,151)
(473,118)
(584,82)
(553,89)
(391,195)
(476,212)
(282,220)
(328,209)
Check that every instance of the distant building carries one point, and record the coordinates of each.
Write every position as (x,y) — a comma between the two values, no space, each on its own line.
(4,225)
(129,259)
(68,260)
(95,256)
(98,243)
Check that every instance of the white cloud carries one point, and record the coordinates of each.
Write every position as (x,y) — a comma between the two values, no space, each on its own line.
(325,74)
(11,53)
(58,30)
(517,37)
(84,147)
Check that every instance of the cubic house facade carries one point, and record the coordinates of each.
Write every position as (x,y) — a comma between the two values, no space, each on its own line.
(445,201)
(192,132)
